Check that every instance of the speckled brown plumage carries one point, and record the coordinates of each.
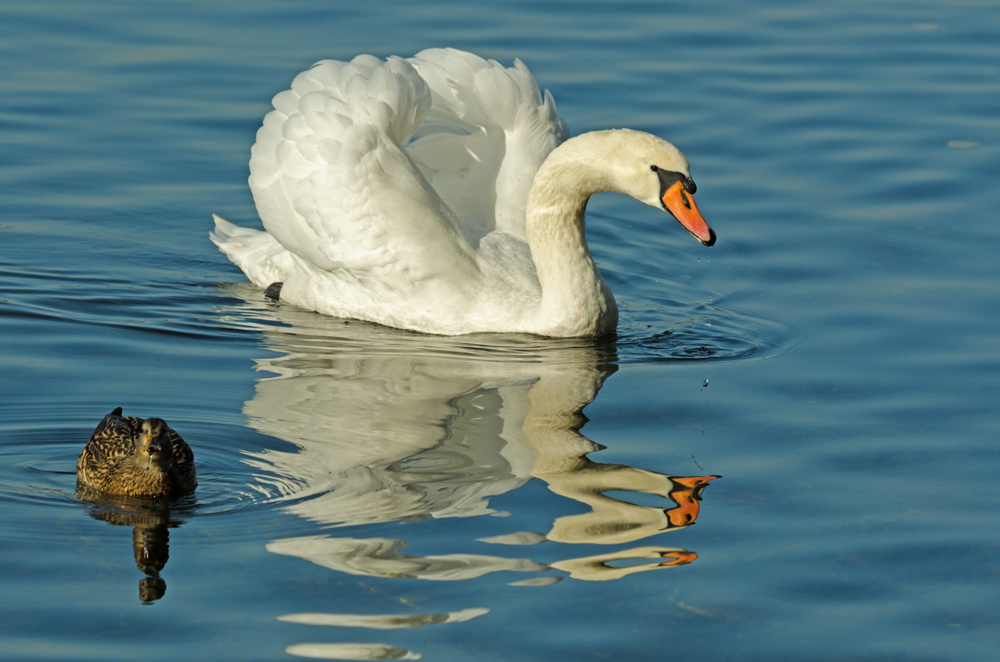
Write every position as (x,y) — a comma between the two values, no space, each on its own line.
(134,457)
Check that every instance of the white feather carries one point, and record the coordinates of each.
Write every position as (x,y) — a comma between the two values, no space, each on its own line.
(397,192)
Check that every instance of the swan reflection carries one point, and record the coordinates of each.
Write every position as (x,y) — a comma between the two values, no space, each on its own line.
(352,651)
(596,568)
(384,621)
(393,426)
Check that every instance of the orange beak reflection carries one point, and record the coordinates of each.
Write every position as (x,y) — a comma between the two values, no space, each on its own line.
(681,204)
(686,496)
(677,558)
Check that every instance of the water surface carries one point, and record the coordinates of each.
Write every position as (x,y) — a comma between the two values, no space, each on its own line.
(375,494)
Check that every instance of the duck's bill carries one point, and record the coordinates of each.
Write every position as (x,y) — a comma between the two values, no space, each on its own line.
(681,204)
(151,444)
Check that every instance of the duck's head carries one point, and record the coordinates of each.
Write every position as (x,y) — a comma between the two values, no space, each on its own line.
(153,445)
(653,171)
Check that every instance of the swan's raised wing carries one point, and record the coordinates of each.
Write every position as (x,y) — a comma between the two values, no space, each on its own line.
(488,130)
(333,184)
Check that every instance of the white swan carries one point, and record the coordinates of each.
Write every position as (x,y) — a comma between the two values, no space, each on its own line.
(440,194)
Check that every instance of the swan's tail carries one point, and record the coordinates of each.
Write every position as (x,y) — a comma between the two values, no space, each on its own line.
(261,258)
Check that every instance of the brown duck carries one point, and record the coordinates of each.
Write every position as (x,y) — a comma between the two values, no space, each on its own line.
(134,457)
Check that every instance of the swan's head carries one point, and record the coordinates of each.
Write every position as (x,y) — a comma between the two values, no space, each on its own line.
(653,171)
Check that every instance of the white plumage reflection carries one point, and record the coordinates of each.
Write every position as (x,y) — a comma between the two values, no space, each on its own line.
(391,426)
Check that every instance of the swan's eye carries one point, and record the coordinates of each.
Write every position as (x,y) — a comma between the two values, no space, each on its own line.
(654,168)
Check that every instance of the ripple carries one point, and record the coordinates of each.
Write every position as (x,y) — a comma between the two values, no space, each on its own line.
(170,309)
(706,333)
(647,333)
(38,472)
(39,469)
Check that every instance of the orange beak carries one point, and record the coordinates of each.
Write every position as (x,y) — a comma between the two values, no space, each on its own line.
(681,204)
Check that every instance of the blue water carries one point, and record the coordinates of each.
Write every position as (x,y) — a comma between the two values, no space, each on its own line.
(373,494)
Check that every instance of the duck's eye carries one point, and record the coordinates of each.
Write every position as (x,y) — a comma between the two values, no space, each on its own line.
(654,168)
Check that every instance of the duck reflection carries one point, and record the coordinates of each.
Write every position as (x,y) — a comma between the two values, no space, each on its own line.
(392,426)
(150,521)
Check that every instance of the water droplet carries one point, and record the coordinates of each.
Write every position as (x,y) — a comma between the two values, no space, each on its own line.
(705,384)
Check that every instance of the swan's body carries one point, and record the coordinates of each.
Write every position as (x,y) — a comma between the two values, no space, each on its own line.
(441,194)
(128,456)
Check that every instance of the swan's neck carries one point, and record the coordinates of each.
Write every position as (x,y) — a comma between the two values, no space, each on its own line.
(575,298)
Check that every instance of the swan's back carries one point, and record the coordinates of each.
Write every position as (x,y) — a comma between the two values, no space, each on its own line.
(488,130)
(395,191)
(328,173)
(406,192)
